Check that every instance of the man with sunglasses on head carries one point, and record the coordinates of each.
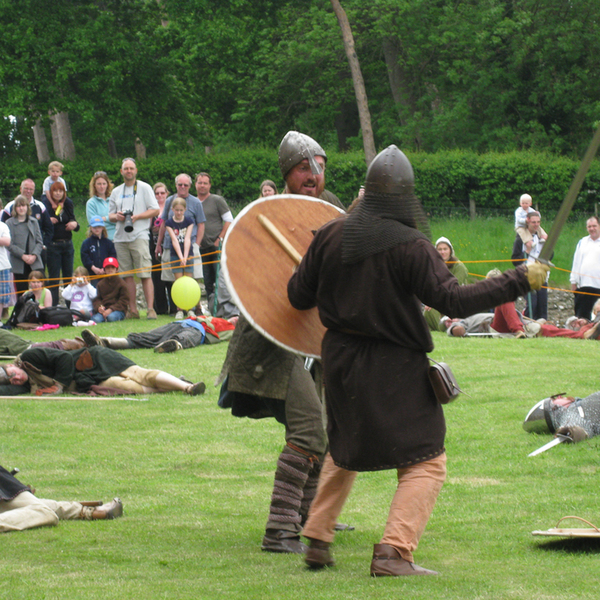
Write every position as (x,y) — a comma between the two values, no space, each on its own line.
(132,205)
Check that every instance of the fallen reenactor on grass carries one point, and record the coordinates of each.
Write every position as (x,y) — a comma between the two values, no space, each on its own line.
(483,324)
(20,509)
(571,419)
(178,335)
(47,371)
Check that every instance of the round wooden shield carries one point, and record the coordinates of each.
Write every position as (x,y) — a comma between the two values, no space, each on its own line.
(262,247)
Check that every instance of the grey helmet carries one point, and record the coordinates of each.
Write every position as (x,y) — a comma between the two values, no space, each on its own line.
(294,148)
(389,213)
(390,173)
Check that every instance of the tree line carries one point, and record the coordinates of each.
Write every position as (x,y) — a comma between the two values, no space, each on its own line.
(107,78)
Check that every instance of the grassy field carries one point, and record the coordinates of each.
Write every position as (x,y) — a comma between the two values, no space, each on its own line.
(196,484)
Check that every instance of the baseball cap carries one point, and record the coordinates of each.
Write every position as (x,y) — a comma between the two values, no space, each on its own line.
(111,261)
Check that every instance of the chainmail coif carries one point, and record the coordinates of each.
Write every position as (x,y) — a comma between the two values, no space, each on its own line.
(389,214)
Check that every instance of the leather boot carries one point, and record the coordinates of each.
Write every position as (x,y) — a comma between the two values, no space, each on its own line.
(318,554)
(387,562)
(72,344)
(286,542)
(91,339)
(92,511)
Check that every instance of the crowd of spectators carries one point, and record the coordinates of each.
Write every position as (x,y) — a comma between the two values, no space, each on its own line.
(139,230)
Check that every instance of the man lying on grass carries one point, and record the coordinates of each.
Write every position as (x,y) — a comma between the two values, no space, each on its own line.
(47,371)
(20,509)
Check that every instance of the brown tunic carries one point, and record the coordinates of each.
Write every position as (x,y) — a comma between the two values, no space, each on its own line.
(381,409)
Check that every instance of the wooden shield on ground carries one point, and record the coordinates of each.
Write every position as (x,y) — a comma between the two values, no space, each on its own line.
(574,532)
(257,268)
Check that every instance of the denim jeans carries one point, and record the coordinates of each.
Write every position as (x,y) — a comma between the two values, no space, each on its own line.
(115,315)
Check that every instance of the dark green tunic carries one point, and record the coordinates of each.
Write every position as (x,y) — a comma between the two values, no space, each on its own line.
(60,365)
(382,411)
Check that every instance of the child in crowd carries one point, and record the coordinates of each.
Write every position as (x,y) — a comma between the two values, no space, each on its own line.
(96,248)
(113,298)
(520,221)
(36,285)
(80,292)
(7,294)
(179,228)
(55,170)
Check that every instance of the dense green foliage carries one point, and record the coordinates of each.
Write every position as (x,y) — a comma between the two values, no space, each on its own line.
(493,75)
(196,484)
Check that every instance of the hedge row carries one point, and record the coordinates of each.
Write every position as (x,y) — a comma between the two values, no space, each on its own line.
(445,179)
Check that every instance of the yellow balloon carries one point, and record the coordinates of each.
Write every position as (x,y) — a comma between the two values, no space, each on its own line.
(185,293)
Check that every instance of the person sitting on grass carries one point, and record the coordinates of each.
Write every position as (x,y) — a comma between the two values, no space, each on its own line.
(113,296)
(20,509)
(179,227)
(48,371)
(41,293)
(80,292)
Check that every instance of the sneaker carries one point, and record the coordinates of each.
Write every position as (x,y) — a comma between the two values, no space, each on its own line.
(179,315)
(168,346)
(151,315)
(191,314)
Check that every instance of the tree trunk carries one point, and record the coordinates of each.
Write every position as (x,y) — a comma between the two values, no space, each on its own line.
(140,149)
(403,99)
(41,143)
(395,75)
(62,139)
(112,148)
(54,132)
(357,80)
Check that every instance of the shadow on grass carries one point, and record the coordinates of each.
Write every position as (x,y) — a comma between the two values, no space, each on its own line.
(572,546)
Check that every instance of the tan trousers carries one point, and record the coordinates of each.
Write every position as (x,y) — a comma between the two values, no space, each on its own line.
(134,380)
(411,507)
(25,511)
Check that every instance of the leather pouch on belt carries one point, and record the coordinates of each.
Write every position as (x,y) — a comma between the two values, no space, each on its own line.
(84,362)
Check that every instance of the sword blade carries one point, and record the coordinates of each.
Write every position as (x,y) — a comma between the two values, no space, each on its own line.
(547,446)
(569,201)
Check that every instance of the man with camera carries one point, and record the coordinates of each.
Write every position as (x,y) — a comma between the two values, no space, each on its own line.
(132,205)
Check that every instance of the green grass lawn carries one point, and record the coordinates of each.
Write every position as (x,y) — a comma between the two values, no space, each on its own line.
(196,484)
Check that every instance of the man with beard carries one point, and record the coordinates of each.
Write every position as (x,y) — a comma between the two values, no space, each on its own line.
(266,380)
